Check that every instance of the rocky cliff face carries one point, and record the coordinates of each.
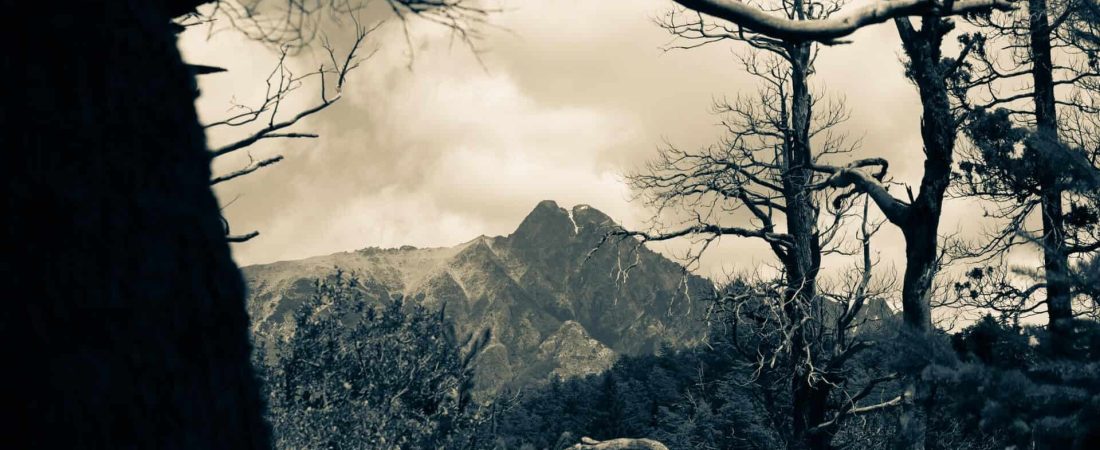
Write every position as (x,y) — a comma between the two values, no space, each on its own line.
(556,304)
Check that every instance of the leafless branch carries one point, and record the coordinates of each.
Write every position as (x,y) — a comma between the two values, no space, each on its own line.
(830,30)
(254,166)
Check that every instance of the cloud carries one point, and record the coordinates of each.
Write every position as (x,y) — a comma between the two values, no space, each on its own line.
(431,156)
(572,95)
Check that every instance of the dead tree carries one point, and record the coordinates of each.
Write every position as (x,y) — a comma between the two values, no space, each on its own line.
(761,182)
(847,320)
(918,218)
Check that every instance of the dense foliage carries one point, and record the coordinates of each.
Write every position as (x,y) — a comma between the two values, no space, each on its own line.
(688,399)
(356,374)
(717,395)
(995,386)
(1007,384)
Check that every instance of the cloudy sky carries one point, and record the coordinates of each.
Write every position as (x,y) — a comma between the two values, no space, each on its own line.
(567,97)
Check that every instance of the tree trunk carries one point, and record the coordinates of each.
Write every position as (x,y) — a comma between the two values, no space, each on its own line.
(921,223)
(1055,259)
(127,327)
(803,258)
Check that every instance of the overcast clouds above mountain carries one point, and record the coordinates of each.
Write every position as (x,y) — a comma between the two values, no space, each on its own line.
(568,96)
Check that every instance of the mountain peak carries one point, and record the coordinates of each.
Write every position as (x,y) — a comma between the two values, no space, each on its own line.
(547,224)
(591,219)
(547,204)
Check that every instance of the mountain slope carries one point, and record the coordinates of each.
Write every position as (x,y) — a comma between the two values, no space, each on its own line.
(554,305)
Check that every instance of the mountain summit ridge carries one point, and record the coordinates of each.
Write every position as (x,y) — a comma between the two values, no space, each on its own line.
(556,304)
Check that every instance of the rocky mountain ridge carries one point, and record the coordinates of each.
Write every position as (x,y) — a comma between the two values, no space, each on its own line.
(557,305)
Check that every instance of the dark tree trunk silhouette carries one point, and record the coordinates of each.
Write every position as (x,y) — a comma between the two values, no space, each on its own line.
(127,328)
(1055,162)
(803,260)
(920,223)
(918,218)
(1055,259)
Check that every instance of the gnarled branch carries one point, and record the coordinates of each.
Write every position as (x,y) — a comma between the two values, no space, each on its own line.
(716,230)
(895,210)
(830,30)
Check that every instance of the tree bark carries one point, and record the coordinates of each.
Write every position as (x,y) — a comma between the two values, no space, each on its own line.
(920,223)
(1055,258)
(803,260)
(127,326)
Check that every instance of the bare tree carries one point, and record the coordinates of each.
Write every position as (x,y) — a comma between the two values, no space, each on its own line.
(918,218)
(763,181)
(844,322)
